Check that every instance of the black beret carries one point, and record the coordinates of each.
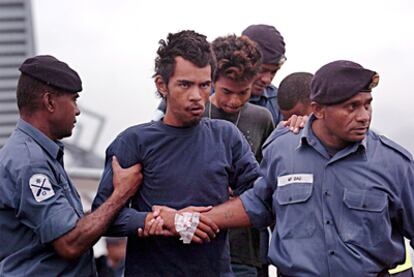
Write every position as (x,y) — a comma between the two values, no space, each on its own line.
(52,72)
(270,42)
(338,81)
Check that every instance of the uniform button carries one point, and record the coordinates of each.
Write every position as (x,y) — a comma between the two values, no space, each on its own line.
(364,206)
(331,252)
(328,222)
(326,193)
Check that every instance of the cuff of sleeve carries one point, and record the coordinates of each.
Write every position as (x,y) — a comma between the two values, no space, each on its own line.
(136,220)
(258,214)
(57,225)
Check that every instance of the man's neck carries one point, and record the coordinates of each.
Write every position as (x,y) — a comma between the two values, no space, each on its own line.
(328,140)
(38,121)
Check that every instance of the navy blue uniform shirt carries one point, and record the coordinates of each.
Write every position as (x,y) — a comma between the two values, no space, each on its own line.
(269,100)
(344,215)
(38,204)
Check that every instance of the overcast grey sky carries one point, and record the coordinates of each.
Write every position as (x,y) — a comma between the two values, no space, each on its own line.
(112,45)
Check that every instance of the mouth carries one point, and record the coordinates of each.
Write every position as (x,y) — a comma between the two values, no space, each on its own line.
(258,86)
(361,130)
(232,109)
(196,110)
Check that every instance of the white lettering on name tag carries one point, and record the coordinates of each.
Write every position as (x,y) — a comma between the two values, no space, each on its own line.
(294,178)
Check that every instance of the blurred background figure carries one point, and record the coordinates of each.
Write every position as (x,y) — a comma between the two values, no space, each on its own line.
(113,263)
(272,45)
(293,97)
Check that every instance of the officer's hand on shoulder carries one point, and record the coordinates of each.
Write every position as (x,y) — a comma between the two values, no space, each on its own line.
(126,180)
(295,123)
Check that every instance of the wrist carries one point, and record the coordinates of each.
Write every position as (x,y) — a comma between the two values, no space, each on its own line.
(148,217)
(118,198)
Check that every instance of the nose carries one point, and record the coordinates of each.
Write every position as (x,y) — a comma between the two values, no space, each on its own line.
(195,94)
(77,111)
(234,101)
(364,115)
(266,78)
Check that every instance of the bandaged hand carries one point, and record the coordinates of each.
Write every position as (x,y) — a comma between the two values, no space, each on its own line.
(205,231)
(186,225)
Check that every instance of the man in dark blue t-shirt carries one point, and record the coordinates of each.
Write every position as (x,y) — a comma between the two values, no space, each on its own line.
(187,160)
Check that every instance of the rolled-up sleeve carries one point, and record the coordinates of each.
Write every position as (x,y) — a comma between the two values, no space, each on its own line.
(406,181)
(50,216)
(258,211)
(56,225)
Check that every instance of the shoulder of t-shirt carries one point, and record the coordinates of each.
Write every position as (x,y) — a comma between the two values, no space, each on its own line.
(218,124)
(132,135)
(259,112)
(133,131)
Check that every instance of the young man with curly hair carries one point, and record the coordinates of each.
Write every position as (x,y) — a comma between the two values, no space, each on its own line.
(238,63)
(187,160)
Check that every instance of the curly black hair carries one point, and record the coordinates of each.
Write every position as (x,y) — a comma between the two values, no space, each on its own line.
(238,58)
(189,45)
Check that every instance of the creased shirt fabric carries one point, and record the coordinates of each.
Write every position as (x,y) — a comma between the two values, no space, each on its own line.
(29,224)
(181,167)
(268,99)
(344,215)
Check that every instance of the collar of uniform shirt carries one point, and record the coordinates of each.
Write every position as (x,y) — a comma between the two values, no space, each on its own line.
(305,138)
(50,146)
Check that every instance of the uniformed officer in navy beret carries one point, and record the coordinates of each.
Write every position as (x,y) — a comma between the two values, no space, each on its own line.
(342,196)
(44,231)
(272,45)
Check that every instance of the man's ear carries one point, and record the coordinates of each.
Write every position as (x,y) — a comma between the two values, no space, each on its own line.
(161,86)
(49,102)
(318,110)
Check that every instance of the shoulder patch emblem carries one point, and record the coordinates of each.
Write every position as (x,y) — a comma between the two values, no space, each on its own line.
(41,187)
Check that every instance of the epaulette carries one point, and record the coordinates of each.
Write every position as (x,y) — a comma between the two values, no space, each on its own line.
(277,132)
(391,144)
(34,151)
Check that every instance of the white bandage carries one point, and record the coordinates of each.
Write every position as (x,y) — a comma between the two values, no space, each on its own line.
(186,225)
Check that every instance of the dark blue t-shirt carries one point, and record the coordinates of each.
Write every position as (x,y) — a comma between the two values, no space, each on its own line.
(181,167)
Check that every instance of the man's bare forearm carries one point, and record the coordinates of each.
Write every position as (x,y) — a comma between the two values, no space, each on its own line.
(89,228)
(230,214)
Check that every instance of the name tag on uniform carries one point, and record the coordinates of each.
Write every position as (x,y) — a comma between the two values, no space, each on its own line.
(294,178)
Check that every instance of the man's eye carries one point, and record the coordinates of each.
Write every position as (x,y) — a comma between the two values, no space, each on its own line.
(352,107)
(205,86)
(184,85)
